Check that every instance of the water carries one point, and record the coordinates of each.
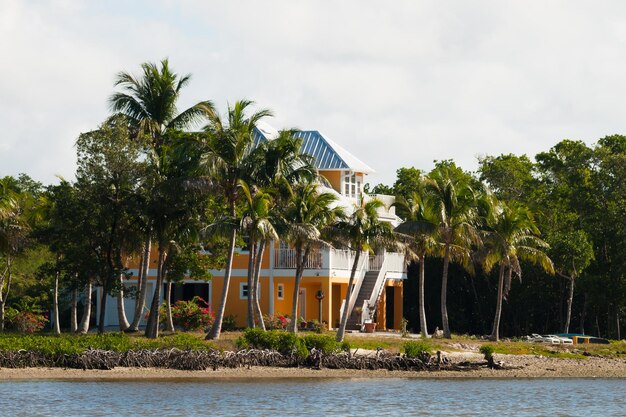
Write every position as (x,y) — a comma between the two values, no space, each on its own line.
(316,397)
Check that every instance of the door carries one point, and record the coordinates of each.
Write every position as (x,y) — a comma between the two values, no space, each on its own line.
(302,306)
(389,302)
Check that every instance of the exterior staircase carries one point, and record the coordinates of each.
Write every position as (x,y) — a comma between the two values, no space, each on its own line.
(367,288)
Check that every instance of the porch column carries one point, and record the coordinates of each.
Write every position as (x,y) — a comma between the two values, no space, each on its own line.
(271,278)
(327,302)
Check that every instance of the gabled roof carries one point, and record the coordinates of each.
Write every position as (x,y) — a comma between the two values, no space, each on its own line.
(327,153)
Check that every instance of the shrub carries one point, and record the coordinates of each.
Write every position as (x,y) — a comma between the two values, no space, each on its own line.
(276,322)
(314,325)
(487,351)
(415,349)
(283,342)
(300,350)
(326,344)
(28,322)
(192,315)
(229,323)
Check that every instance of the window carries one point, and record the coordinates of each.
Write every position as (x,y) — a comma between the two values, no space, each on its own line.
(243,291)
(280,292)
(352,185)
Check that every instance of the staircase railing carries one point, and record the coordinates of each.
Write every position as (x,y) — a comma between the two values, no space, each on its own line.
(358,282)
(369,306)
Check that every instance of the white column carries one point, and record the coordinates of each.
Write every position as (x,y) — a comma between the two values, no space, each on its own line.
(271,278)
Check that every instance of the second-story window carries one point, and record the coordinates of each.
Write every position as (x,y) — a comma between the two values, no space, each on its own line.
(352,185)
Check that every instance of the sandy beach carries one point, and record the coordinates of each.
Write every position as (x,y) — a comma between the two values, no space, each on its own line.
(528,366)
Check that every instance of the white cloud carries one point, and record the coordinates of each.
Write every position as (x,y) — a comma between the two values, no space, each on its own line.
(399,84)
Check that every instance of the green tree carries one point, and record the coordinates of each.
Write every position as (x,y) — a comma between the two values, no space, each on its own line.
(572,253)
(510,177)
(108,176)
(277,166)
(512,237)
(257,225)
(408,180)
(150,103)
(19,212)
(308,213)
(227,148)
(450,192)
(420,225)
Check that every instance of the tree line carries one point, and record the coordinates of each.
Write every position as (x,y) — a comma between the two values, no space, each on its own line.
(196,185)
(569,203)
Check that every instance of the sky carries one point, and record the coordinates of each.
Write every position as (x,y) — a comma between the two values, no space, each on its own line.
(399,84)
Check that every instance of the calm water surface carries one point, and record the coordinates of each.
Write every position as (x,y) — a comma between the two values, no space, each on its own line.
(315,397)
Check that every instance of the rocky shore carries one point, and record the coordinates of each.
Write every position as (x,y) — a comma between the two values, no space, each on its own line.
(518,366)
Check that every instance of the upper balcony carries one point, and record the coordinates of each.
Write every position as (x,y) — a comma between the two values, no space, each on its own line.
(338,263)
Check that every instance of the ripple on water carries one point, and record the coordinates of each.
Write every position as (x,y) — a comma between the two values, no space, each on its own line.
(316,397)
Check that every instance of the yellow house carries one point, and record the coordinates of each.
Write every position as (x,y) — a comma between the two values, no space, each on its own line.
(378,290)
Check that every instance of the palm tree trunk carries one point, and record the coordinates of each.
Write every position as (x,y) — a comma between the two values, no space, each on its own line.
(121,312)
(152,326)
(216,329)
(169,321)
(570,299)
(422,305)
(344,318)
(4,295)
(55,301)
(251,256)
(495,332)
(144,269)
(83,327)
(255,284)
(444,294)
(74,311)
(301,260)
(103,306)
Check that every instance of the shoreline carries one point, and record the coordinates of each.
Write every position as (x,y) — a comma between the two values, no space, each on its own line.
(526,366)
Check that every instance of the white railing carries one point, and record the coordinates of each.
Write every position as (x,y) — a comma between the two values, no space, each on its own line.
(341,259)
(376,261)
(286,258)
(378,287)
(358,281)
(395,262)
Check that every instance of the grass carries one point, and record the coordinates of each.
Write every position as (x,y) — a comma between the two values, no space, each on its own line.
(71,344)
(118,342)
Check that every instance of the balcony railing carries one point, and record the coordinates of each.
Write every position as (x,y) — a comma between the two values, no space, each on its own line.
(339,259)
(286,258)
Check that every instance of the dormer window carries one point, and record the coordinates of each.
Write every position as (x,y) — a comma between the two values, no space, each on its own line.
(352,185)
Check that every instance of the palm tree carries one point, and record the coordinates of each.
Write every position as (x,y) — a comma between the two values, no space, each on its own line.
(227,160)
(276,166)
(362,231)
(14,229)
(150,104)
(454,202)
(420,225)
(257,224)
(512,237)
(309,212)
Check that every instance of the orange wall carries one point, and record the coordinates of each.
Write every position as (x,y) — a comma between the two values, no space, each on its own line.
(240,259)
(381,316)
(334,178)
